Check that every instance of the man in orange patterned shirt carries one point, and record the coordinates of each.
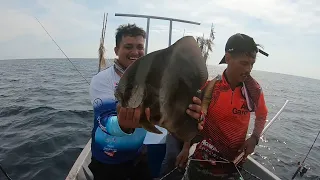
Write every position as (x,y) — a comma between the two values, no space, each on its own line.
(235,94)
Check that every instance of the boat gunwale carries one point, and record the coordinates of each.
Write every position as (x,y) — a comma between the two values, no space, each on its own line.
(79,162)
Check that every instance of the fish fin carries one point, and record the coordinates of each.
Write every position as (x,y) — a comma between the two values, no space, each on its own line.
(137,96)
(149,126)
(208,95)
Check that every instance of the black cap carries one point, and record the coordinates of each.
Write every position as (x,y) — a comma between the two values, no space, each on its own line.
(241,43)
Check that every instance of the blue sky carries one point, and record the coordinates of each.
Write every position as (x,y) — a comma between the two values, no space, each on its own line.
(288,29)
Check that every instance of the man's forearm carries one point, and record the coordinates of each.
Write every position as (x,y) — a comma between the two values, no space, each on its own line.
(258,127)
(186,145)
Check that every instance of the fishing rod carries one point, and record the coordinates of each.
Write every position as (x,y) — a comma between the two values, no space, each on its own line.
(274,118)
(240,157)
(1,168)
(5,173)
(304,168)
(62,51)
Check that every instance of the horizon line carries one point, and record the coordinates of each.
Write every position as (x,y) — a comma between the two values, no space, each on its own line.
(213,65)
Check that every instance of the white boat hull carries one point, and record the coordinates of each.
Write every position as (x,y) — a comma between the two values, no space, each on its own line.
(80,170)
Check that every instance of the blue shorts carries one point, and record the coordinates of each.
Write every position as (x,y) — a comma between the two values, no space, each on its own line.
(174,147)
(156,153)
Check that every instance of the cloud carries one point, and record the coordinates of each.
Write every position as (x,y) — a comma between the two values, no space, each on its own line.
(66,21)
(288,29)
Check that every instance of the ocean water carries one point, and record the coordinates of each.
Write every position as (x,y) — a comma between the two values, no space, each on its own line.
(46,118)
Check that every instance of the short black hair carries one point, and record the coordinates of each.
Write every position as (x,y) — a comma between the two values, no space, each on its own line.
(128,30)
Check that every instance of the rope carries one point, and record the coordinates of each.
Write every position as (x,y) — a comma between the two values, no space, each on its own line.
(62,51)
(5,173)
(169,173)
(225,161)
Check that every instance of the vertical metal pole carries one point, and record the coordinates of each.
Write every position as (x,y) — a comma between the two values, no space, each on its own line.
(147,36)
(156,17)
(170,32)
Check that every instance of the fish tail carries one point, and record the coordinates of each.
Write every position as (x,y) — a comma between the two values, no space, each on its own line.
(149,127)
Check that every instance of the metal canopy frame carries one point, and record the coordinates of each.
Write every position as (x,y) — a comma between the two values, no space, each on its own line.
(156,17)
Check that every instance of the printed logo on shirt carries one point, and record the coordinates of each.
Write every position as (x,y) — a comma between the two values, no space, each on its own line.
(205,150)
(97,103)
(242,111)
(244,106)
(110,140)
(207,144)
(109,151)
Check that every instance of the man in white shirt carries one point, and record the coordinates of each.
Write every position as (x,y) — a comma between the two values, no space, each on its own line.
(117,143)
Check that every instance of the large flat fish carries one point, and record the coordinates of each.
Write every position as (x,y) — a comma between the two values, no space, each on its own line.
(165,81)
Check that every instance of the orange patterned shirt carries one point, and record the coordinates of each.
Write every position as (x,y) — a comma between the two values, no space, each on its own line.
(228,117)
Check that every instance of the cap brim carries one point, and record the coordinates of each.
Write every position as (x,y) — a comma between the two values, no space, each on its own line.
(223,60)
(262,52)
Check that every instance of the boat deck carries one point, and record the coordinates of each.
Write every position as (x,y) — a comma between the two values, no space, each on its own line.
(80,170)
